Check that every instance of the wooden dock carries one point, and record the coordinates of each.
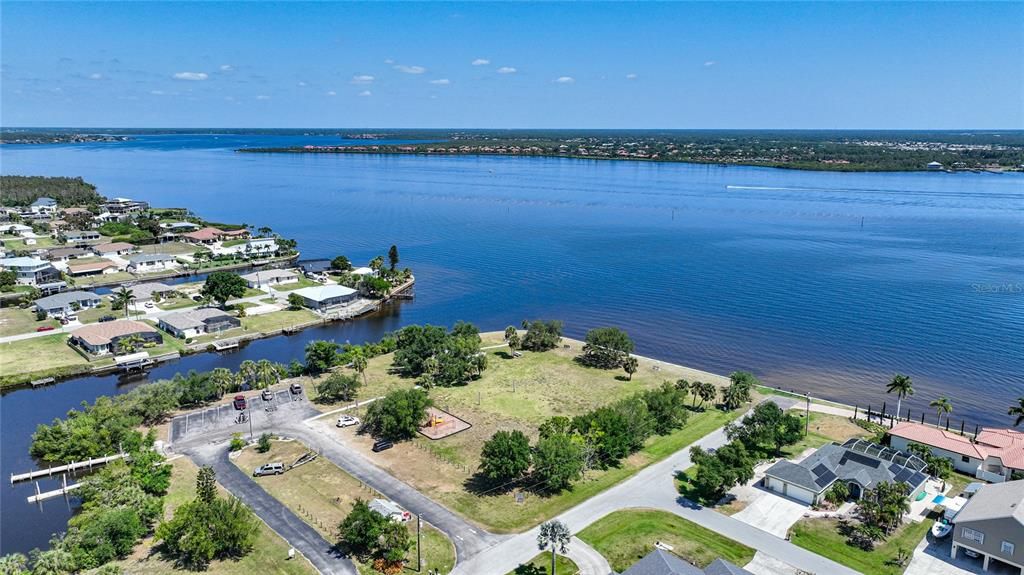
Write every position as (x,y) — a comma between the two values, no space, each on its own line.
(225,345)
(69,468)
(44,495)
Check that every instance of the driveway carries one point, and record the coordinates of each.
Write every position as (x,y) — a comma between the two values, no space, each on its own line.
(770,512)
(931,557)
(290,527)
(763,564)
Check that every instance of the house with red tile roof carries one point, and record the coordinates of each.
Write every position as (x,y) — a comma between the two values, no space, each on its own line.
(993,455)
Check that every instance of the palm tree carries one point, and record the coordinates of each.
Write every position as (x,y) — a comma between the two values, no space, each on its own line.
(247,372)
(359,363)
(683,386)
(630,365)
(130,343)
(223,379)
(941,405)
(377,263)
(1018,411)
(125,297)
(707,392)
(695,392)
(266,373)
(903,387)
(556,535)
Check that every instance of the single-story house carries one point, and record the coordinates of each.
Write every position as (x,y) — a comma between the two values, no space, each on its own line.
(104,338)
(145,263)
(92,268)
(56,225)
(81,236)
(270,278)
(662,562)
(935,166)
(65,254)
(148,291)
(202,236)
(65,303)
(861,464)
(197,322)
(16,229)
(315,267)
(252,247)
(179,226)
(993,455)
(991,524)
(389,509)
(324,297)
(31,271)
(75,211)
(363,271)
(112,249)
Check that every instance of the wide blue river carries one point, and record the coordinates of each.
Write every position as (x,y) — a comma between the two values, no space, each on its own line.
(815,281)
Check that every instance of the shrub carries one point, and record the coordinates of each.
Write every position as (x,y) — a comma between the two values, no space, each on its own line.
(263,445)
(606,348)
(237,443)
(398,415)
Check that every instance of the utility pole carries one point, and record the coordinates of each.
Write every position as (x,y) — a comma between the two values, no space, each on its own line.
(807,419)
(250,423)
(419,544)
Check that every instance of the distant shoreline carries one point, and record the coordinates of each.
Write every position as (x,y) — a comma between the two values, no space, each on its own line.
(822,167)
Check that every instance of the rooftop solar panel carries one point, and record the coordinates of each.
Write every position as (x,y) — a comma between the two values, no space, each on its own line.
(825,479)
(917,478)
(904,475)
(863,459)
(895,468)
(819,470)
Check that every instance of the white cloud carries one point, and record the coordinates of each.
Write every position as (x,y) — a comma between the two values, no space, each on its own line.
(410,69)
(507,70)
(262,97)
(157,92)
(226,67)
(332,93)
(366,93)
(362,79)
(302,84)
(96,76)
(709,63)
(192,76)
(481,62)
(441,82)
(389,61)
(565,80)
(631,76)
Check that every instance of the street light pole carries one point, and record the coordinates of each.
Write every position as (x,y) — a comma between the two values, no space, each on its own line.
(250,423)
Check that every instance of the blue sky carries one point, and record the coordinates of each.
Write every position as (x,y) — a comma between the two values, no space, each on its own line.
(638,65)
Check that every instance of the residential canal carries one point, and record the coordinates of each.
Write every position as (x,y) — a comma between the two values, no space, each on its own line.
(820,282)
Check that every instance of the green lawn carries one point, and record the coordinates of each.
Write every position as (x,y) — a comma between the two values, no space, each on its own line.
(269,554)
(93,314)
(822,536)
(521,394)
(231,243)
(626,536)
(14,320)
(563,565)
(27,359)
(171,248)
(321,494)
(85,282)
(303,282)
(19,243)
(177,303)
(277,320)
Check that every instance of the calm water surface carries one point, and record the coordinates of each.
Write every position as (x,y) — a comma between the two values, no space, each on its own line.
(820,282)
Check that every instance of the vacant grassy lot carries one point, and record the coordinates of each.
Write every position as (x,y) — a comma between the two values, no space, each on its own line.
(85,282)
(822,536)
(521,394)
(563,565)
(177,303)
(171,249)
(322,495)
(277,320)
(94,314)
(269,555)
(624,537)
(19,243)
(14,320)
(303,282)
(39,356)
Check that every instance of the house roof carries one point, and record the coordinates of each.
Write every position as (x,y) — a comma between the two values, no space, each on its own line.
(363,271)
(385,507)
(104,333)
(264,275)
(80,233)
(146,290)
(203,235)
(23,262)
(75,211)
(314,266)
(995,501)
(240,232)
(660,562)
(44,201)
(722,567)
(193,318)
(143,258)
(324,292)
(113,247)
(856,460)
(1005,444)
(66,252)
(64,299)
(91,266)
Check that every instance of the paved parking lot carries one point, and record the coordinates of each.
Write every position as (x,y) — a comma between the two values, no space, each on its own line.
(284,407)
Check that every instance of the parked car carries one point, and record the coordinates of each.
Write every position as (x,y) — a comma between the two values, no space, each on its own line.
(64,321)
(149,305)
(295,388)
(107,318)
(381,445)
(268,469)
(45,328)
(71,317)
(239,402)
(267,395)
(347,421)
(197,297)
